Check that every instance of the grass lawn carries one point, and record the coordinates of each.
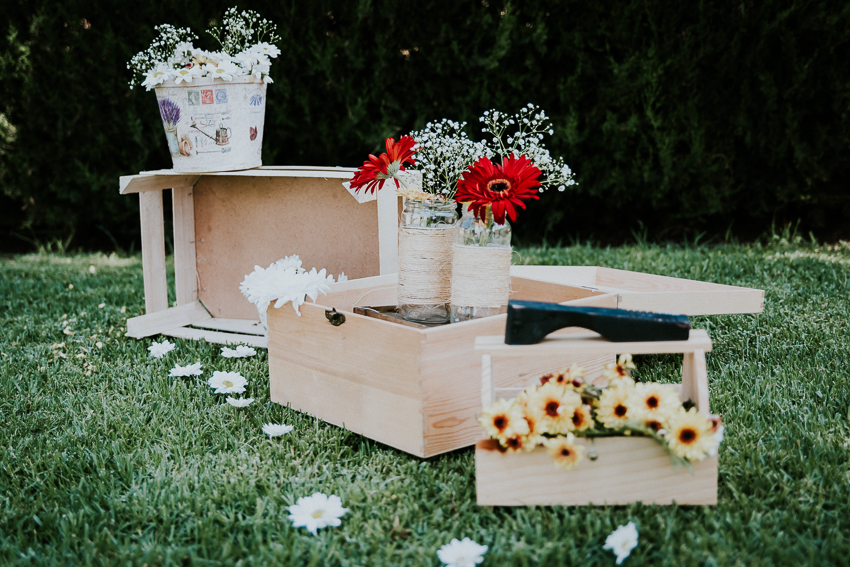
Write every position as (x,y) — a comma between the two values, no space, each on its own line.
(107,460)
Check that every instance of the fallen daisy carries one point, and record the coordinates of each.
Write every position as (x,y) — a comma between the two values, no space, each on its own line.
(239,402)
(158,350)
(316,511)
(241,351)
(190,370)
(464,553)
(275,430)
(622,541)
(227,382)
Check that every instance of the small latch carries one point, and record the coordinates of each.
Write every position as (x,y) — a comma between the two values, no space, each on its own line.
(336,318)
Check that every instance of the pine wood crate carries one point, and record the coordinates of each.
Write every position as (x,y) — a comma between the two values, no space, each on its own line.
(226,222)
(628,469)
(415,389)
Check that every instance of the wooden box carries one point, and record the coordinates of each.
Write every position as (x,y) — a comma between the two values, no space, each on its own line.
(415,389)
(225,223)
(627,469)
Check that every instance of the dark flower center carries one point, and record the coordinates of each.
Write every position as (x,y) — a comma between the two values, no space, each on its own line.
(687,436)
(565,452)
(653,425)
(652,402)
(500,422)
(620,410)
(514,442)
(499,186)
(552,409)
(578,419)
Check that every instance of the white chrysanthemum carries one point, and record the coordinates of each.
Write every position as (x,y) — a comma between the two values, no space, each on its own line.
(241,351)
(157,76)
(239,402)
(190,370)
(622,541)
(276,430)
(225,70)
(464,553)
(282,282)
(158,350)
(227,382)
(186,75)
(316,512)
(266,49)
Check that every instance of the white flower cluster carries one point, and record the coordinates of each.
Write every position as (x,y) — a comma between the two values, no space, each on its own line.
(443,152)
(282,282)
(173,56)
(523,133)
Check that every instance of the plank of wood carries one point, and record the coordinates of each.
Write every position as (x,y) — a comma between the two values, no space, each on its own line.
(238,326)
(388,214)
(142,183)
(627,470)
(588,342)
(153,251)
(534,290)
(695,380)
(511,393)
(162,321)
(185,266)
(580,276)
(707,302)
(217,337)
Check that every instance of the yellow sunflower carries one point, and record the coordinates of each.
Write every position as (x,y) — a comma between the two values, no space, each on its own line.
(553,406)
(654,403)
(566,452)
(504,419)
(689,434)
(615,408)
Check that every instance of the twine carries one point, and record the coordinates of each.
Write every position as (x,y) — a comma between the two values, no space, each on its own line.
(425,265)
(481,276)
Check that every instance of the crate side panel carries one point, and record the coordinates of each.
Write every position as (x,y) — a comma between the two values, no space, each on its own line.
(535,290)
(241,222)
(628,469)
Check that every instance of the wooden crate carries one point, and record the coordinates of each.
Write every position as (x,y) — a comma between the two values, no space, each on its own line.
(649,292)
(415,389)
(628,469)
(225,223)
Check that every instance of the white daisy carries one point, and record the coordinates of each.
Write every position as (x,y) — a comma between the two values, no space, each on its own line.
(239,402)
(157,76)
(622,541)
(465,553)
(266,49)
(275,430)
(241,351)
(186,75)
(316,512)
(190,370)
(225,70)
(227,382)
(158,350)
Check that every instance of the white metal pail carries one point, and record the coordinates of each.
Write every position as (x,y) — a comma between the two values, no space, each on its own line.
(213,125)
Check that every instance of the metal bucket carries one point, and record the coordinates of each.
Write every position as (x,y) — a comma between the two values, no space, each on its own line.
(213,125)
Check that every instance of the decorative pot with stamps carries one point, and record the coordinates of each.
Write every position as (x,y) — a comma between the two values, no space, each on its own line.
(213,125)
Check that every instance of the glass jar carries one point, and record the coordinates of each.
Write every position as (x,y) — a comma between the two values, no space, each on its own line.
(471,231)
(426,235)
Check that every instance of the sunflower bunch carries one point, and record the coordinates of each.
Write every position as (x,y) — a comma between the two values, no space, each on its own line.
(564,406)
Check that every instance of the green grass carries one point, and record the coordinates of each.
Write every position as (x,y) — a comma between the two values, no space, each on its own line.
(107,460)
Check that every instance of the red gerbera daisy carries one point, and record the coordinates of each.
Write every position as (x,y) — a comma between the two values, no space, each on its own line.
(376,170)
(504,187)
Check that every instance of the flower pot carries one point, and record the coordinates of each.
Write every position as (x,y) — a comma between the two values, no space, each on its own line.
(213,125)
(481,267)
(425,238)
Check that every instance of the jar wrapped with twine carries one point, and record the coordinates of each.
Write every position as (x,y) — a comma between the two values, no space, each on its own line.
(425,237)
(481,267)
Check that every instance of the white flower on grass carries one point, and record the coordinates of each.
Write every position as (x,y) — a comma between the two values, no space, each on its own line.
(622,541)
(241,351)
(275,430)
(227,382)
(190,370)
(158,350)
(464,553)
(239,402)
(316,512)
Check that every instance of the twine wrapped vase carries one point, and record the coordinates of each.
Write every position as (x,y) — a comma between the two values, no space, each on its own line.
(425,238)
(481,267)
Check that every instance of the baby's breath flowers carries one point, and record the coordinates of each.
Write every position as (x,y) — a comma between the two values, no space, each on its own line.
(246,41)
(564,407)
(443,152)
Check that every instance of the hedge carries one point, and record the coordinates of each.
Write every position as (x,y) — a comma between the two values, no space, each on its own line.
(724,118)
